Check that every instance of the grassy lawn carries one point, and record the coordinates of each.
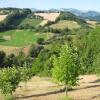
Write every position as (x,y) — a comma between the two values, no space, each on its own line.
(31,22)
(66,24)
(20,37)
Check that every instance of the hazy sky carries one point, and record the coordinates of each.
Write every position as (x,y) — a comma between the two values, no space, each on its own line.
(47,4)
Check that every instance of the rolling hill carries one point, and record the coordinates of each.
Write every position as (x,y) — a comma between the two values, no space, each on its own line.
(92,15)
(68,20)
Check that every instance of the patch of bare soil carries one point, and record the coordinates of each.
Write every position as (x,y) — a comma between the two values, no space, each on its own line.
(44,89)
(26,50)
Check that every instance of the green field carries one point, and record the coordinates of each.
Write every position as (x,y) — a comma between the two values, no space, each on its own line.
(31,22)
(20,37)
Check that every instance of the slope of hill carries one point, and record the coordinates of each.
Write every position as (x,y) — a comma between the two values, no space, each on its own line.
(30,22)
(65,24)
(68,20)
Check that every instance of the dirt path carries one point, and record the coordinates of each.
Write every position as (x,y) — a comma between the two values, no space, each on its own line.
(43,89)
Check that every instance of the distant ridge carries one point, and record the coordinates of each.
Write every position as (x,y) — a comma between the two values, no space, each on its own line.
(91,15)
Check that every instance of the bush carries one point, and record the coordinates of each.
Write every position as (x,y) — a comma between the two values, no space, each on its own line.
(40,40)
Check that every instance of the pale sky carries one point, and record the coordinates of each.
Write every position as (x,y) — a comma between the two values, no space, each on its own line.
(48,4)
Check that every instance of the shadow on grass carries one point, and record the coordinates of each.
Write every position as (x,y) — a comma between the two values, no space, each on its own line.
(2,40)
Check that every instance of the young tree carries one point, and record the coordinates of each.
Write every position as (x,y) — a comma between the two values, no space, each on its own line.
(66,67)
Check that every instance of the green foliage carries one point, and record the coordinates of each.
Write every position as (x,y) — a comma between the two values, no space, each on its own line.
(42,65)
(40,40)
(89,50)
(66,66)
(10,78)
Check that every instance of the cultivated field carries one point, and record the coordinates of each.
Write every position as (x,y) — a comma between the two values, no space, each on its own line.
(65,24)
(48,16)
(2,17)
(44,89)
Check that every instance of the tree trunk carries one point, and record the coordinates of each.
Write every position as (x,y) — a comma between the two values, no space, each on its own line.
(66,90)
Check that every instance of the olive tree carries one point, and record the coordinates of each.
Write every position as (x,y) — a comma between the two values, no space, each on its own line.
(66,67)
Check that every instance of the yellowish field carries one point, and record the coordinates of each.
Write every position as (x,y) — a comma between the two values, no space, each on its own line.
(66,24)
(92,22)
(44,22)
(9,50)
(2,17)
(48,16)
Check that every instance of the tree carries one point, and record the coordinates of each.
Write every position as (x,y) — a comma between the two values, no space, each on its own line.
(66,67)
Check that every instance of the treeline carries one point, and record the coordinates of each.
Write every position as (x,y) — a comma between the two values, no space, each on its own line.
(6,11)
(10,21)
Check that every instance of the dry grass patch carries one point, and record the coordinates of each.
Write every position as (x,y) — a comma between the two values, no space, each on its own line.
(9,50)
(44,22)
(44,89)
(2,17)
(65,24)
(7,37)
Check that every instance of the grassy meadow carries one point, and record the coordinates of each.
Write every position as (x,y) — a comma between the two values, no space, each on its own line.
(19,37)
(31,22)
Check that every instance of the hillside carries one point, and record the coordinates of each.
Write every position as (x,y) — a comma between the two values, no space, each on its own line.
(65,24)
(56,52)
(68,20)
(91,15)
